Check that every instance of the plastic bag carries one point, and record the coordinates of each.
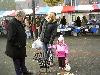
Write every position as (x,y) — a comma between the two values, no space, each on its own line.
(74,33)
(67,67)
(37,44)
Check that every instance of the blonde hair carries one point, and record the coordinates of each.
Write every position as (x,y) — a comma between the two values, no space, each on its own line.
(19,13)
(52,15)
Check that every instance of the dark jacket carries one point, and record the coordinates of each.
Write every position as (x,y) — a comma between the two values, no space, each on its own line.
(78,22)
(16,40)
(63,21)
(48,33)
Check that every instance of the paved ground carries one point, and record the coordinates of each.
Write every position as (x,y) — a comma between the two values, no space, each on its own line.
(84,56)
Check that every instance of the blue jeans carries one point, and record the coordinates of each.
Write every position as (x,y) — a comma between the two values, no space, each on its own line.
(45,48)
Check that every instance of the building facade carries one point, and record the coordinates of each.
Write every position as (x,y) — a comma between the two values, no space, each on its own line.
(80,2)
(94,1)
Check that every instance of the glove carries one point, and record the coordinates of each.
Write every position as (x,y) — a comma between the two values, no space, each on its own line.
(51,42)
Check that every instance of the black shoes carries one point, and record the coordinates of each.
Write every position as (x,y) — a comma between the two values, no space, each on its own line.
(27,73)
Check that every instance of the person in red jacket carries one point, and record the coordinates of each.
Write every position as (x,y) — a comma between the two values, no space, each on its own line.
(34,30)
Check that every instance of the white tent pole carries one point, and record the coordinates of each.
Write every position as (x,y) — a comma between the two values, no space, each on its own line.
(75,2)
(71,3)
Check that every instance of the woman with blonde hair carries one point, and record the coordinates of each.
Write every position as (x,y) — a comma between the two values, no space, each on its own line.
(49,30)
(51,17)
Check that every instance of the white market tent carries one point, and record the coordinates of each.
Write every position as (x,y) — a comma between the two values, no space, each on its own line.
(56,9)
(1,12)
(6,13)
(84,7)
(28,11)
(42,10)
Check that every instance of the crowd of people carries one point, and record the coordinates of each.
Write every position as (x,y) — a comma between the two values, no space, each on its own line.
(33,30)
(21,28)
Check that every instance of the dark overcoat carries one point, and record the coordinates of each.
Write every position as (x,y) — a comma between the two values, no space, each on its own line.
(16,40)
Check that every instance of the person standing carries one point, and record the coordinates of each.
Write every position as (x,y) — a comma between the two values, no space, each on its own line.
(38,23)
(27,28)
(63,21)
(33,29)
(84,24)
(78,22)
(5,24)
(16,43)
(84,21)
(48,31)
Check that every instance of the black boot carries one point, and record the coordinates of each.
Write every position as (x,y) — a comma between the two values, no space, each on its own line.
(27,73)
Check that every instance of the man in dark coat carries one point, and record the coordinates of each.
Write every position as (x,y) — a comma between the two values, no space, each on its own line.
(16,43)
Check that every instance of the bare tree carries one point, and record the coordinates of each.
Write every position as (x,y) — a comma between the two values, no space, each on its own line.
(7,4)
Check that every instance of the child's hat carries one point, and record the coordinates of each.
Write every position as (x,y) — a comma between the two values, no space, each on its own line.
(61,38)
